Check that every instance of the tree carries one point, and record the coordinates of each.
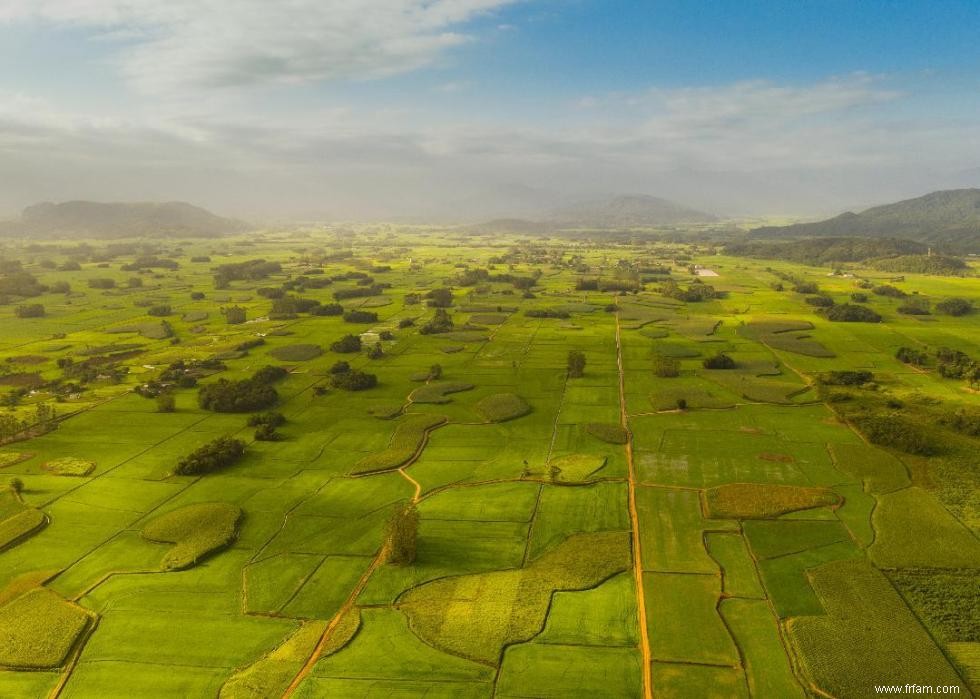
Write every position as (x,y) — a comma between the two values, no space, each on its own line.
(267,433)
(17,485)
(166,403)
(162,309)
(440,298)
(954,306)
(360,317)
(376,352)
(576,364)
(849,313)
(214,455)
(435,372)
(401,535)
(353,381)
(347,344)
(234,315)
(30,310)
(666,367)
(441,322)
(719,361)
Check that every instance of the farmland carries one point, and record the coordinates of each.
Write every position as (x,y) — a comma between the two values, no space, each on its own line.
(361,463)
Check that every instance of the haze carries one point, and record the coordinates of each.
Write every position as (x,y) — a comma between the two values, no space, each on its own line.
(470,109)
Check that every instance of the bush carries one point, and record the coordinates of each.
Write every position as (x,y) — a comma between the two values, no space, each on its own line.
(360,317)
(340,367)
(405,323)
(166,403)
(849,313)
(907,355)
(234,315)
(666,367)
(161,309)
(719,361)
(896,432)
(889,291)
(847,378)
(101,283)
(214,455)
(440,298)
(197,296)
(954,306)
(271,418)
(226,396)
(858,297)
(266,433)
(819,301)
(576,364)
(442,322)
(347,344)
(353,380)
(328,309)
(29,310)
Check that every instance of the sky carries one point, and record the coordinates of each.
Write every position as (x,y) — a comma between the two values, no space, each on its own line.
(449,110)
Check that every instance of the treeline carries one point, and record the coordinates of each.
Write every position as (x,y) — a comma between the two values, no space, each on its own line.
(944,265)
(254,393)
(824,251)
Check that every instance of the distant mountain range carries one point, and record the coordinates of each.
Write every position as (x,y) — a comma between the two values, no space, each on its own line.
(949,219)
(89,219)
(624,211)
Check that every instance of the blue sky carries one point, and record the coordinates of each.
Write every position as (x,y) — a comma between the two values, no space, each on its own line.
(475,107)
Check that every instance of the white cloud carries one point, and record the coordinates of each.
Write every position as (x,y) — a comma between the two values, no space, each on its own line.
(174,45)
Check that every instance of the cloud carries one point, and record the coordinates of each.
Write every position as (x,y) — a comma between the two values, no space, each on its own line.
(179,44)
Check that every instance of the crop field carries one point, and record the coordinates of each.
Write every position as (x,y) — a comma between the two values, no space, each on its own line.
(398,461)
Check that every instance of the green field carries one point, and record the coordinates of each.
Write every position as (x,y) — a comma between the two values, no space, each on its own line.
(438,507)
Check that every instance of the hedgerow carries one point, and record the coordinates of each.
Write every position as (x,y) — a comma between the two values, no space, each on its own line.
(213,456)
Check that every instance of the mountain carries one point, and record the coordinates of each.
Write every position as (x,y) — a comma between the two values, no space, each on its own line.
(948,219)
(629,211)
(89,219)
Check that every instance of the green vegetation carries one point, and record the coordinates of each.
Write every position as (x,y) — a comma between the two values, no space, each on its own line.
(439,391)
(195,532)
(296,353)
(255,393)
(608,432)
(69,466)
(213,456)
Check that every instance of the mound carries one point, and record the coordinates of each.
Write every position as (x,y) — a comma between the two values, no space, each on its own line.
(438,392)
(38,629)
(17,520)
(194,316)
(476,616)
(195,531)
(296,353)
(386,411)
(69,466)
(9,458)
(405,443)
(501,407)
(764,501)
(607,432)
(576,468)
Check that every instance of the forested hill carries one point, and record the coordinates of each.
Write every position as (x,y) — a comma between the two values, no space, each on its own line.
(89,219)
(949,219)
(628,211)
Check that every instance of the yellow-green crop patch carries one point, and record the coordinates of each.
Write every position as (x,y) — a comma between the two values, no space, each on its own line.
(764,501)
(9,458)
(476,616)
(439,391)
(607,432)
(38,629)
(195,531)
(501,407)
(69,466)
(408,438)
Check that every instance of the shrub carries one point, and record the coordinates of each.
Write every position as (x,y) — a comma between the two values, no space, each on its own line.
(211,457)
(226,396)
(897,432)
(819,301)
(442,322)
(666,367)
(405,323)
(354,380)
(166,403)
(847,378)
(347,344)
(440,298)
(271,418)
(376,352)
(360,317)
(435,372)
(234,315)
(806,288)
(576,364)
(197,295)
(327,309)
(889,291)
(849,313)
(907,355)
(340,367)
(266,433)
(718,361)
(859,297)
(296,353)
(29,310)
(161,309)
(101,283)
(954,306)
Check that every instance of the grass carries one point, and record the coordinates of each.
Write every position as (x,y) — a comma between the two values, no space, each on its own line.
(69,466)
(476,616)
(404,444)
(501,407)
(945,599)
(879,471)
(438,392)
(764,501)
(865,618)
(17,520)
(607,432)
(757,634)
(576,468)
(195,531)
(38,629)
(296,353)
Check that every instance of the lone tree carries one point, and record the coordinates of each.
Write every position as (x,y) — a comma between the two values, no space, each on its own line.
(234,315)
(576,364)
(17,485)
(401,535)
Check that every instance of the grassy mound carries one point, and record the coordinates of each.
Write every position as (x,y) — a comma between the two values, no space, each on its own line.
(476,616)
(764,501)
(387,411)
(501,407)
(9,458)
(194,316)
(271,675)
(438,392)
(195,531)
(17,520)
(608,432)
(405,442)
(296,353)
(38,630)
(488,319)
(868,635)
(576,468)
(69,466)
